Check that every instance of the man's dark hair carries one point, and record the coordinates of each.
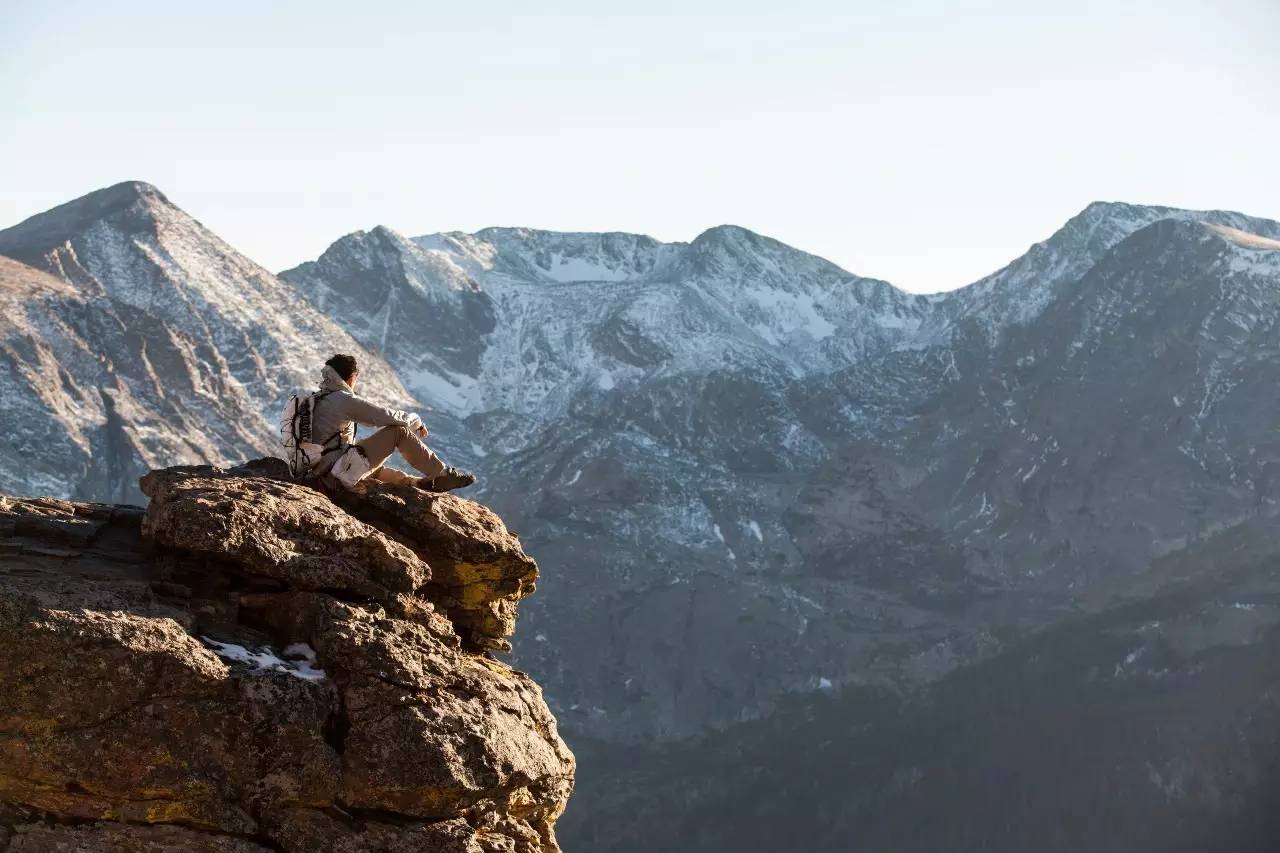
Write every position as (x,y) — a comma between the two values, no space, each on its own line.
(344,365)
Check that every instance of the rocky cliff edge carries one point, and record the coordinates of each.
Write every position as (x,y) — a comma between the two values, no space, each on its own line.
(245,666)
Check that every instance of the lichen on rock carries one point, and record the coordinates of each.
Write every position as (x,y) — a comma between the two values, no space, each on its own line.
(249,667)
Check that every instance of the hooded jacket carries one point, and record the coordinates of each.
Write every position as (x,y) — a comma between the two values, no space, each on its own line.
(336,414)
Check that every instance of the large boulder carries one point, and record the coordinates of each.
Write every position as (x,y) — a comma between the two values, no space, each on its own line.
(479,571)
(273,529)
(250,667)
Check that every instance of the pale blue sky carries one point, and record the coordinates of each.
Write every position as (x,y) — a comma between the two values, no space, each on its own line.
(919,141)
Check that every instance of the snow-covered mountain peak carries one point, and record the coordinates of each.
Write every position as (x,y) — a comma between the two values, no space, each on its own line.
(130,245)
(729,234)
(383,251)
(1153,231)
(117,196)
(134,204)
(788,295)
(1101,225)
(414,302)
(145,339)
(732,252)
(725,241)
(1022,290)
(568,257)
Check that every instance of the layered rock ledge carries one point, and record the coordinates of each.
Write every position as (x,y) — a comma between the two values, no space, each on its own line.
(246,666)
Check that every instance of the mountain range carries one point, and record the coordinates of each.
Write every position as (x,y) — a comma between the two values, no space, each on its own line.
(816,535)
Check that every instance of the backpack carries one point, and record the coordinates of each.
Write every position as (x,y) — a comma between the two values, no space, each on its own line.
(301,450)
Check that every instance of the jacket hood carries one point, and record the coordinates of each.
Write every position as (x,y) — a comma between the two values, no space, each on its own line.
(331,381)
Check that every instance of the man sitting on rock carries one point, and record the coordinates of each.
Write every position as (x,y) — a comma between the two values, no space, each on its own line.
(333,419)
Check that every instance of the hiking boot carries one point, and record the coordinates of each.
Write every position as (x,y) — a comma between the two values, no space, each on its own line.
(446,481)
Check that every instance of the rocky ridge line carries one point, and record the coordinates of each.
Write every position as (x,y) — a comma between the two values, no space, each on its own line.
(246,667)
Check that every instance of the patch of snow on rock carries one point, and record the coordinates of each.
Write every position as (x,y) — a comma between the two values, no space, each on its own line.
(299,658)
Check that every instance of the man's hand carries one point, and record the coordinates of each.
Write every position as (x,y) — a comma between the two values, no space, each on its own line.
(415,423)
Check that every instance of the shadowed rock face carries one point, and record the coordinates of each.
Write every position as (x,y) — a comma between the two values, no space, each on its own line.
(247,667)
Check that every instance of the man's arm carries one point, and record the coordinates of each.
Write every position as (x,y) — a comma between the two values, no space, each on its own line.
(365,413)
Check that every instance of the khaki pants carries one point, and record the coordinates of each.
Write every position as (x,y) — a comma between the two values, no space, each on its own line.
(378,449)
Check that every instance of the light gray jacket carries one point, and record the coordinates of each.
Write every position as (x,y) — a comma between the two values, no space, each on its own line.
(335,415)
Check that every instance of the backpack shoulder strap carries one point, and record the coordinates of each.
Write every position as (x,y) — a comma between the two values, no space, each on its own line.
(340,434)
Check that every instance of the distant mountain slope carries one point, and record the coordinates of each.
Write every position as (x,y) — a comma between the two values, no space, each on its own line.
(731,426)
(162,345)
(96,394)
(130,244)
(1054,572)
(1150,726)
(632,401)
(418,310)
(512,318)
(1020,291)
(1130,417)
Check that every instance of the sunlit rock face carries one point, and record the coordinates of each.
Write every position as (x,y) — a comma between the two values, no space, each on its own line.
(244,666)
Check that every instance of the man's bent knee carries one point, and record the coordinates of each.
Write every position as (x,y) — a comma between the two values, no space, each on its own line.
(396,432)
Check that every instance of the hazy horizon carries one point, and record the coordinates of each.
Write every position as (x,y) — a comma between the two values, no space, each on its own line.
(927,145)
